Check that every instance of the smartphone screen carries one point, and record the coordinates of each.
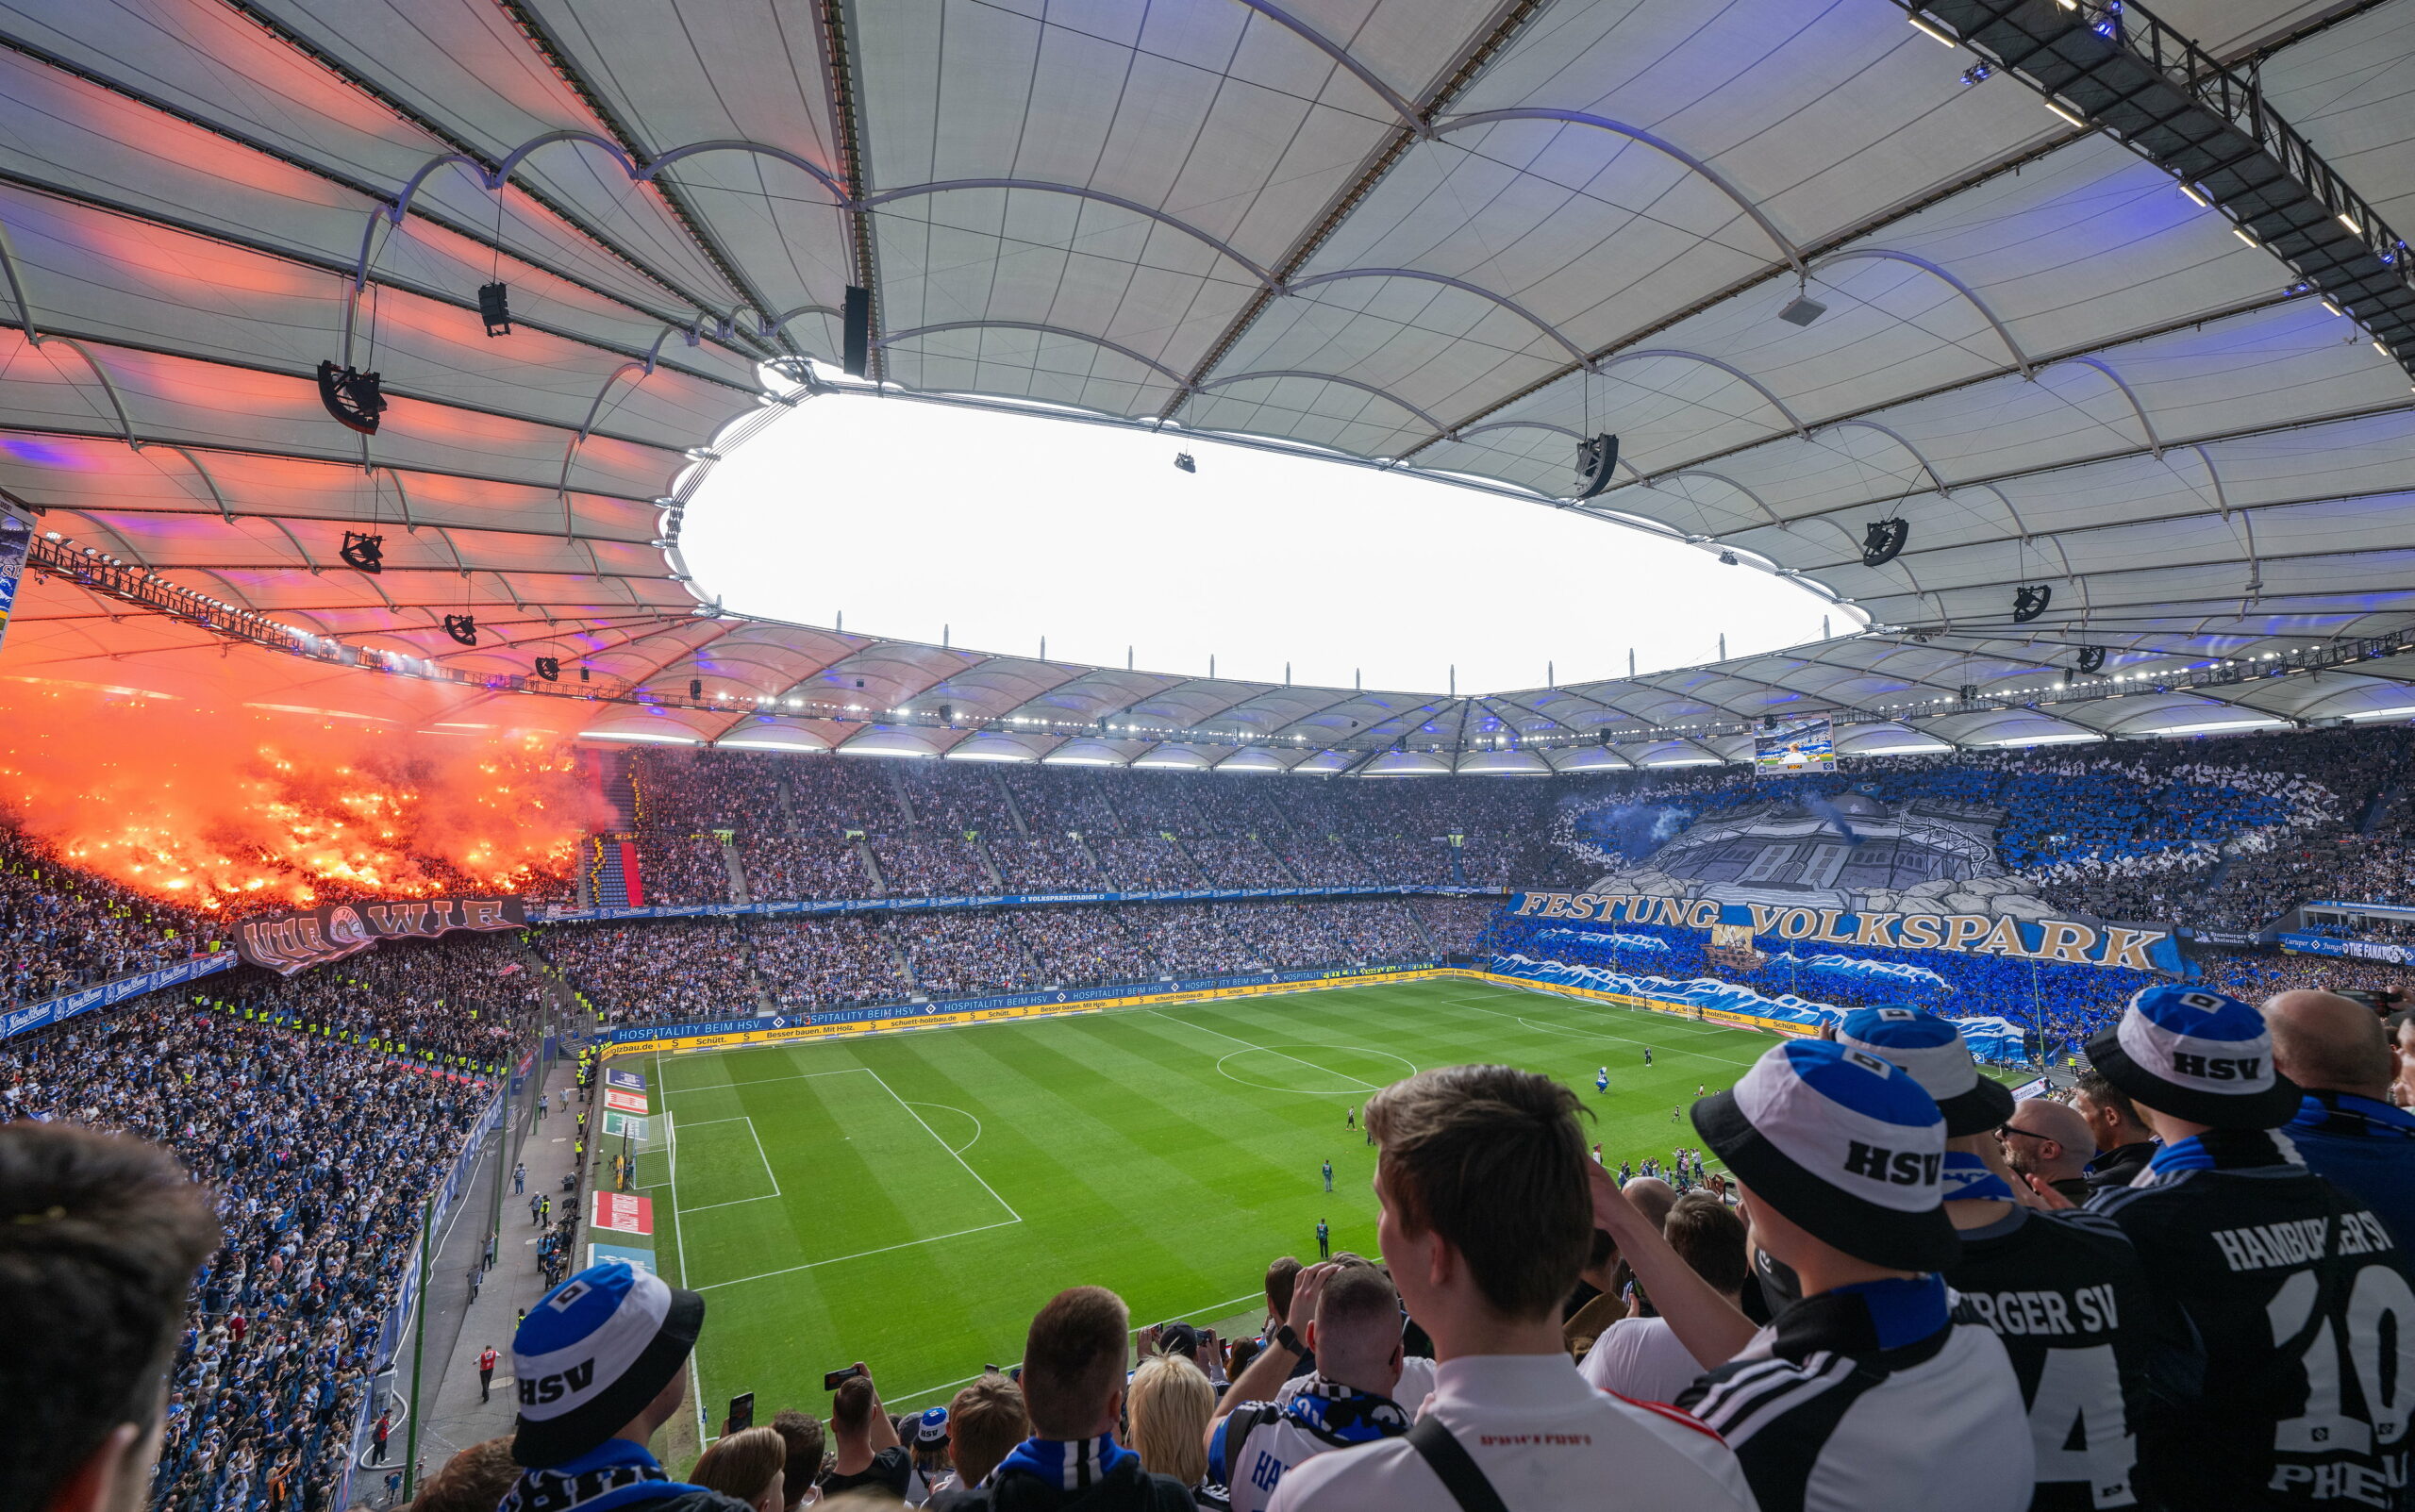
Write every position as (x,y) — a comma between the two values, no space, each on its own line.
(830,1379)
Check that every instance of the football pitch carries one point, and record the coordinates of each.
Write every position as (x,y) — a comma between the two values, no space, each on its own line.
(910,1200)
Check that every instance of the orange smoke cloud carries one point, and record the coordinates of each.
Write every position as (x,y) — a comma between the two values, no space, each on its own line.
(223,809)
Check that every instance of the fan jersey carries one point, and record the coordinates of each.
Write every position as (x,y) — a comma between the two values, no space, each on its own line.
(2066,1295)
(2308,1323)
(1871,1398)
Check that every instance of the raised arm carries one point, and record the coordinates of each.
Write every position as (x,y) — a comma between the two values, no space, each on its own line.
(1711,1327)
(1272,1366)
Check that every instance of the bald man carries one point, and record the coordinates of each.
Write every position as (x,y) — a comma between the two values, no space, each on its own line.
(2338,1053)
(2048,1144)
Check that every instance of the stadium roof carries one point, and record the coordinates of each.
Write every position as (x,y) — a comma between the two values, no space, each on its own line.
(1413,233)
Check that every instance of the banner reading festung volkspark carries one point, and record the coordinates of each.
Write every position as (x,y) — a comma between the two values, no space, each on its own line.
(286,942)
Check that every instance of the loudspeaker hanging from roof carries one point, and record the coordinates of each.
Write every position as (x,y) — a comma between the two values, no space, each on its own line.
(1595,460)
(2030,600)
(550,669)
(462,628)
(1881,539)
(856,358)
(364,551)
(2092,658)
(352,397)
(495,307)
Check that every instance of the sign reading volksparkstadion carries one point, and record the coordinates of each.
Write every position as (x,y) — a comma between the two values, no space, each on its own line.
(2141,947)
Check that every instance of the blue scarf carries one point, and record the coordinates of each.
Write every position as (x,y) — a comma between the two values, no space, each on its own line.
(1902,1311)
(1967,1179)
(1343,1414)
(2359,1117)
(616,1473)
(1073,1464)
(2232,1148)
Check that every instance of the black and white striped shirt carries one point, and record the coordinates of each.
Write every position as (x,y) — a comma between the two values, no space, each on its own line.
(1872,1398)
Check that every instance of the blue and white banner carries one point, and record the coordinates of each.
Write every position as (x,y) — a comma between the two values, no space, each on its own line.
(1991,1037)
(2361,950)
(1011,900)
(1010,999)
(2081,942)
(111,993)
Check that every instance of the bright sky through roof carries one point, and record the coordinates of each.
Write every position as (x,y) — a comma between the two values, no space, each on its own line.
(915,517)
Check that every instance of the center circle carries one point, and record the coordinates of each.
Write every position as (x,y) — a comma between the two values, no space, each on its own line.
(1324,1071)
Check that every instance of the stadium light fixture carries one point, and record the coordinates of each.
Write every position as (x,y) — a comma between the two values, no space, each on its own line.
(2194,197)
(1931,32)
(2058,109)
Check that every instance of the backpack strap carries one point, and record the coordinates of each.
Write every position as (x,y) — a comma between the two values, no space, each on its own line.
(1454,1466)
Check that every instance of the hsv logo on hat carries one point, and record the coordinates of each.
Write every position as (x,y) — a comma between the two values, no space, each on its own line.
(1846,1145)
(1937,1057)
(930,1429)
(592,1354)
(2197,1055)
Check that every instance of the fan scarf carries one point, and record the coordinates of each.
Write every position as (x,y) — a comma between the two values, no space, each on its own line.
(1967,1179)
(1072,1463)
(616,1473)
(1344,1415)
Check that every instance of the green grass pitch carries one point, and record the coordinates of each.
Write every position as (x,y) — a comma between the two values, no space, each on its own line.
(910,1199)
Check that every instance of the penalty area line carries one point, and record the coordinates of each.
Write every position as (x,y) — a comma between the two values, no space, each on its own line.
(860,1254)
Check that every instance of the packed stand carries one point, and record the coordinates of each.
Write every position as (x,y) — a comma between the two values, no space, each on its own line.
(317,1157)
(1043,864)
(805,865)
(1384,930)
(663,970)
(1284,937)
(931,866)
(1453,925)
(1086,946)
(61,929)
(963,952)
(1147,863)
(463,996)
(1323,861)
(834,961)
(682,869)
(1238,861)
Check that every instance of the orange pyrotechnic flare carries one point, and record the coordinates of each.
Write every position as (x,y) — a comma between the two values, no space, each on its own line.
(222,810)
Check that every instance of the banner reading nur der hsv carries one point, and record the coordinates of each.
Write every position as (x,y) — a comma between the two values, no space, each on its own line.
(2143,947)
(287,942)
